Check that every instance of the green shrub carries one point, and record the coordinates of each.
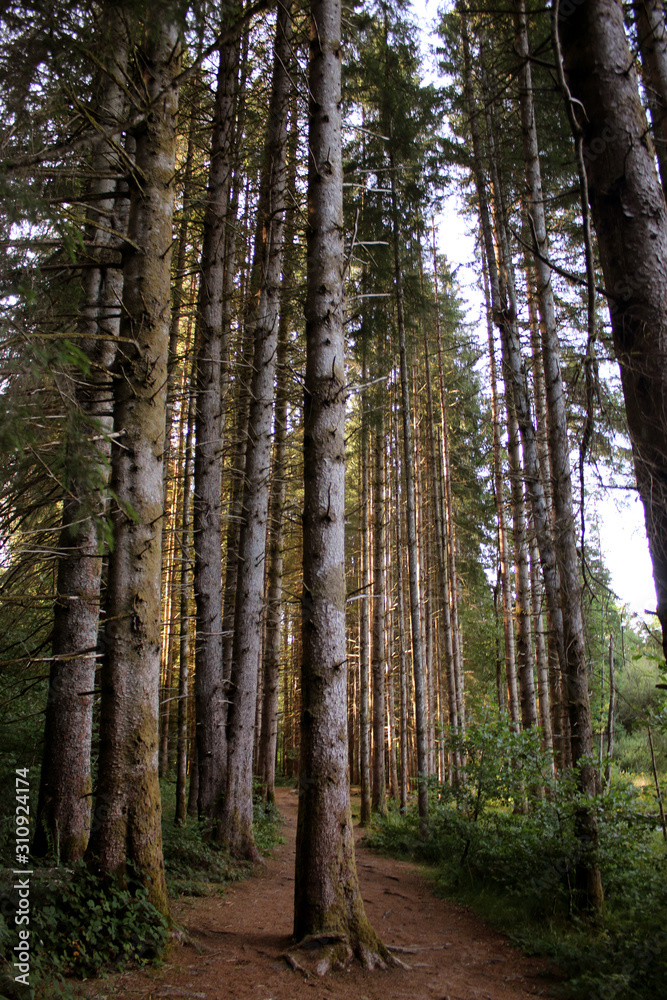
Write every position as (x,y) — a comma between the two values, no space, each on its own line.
(195,865)
(81,927)
(504,843)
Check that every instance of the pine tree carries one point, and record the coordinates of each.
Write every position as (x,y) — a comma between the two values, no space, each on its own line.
(327,896)
(127,812)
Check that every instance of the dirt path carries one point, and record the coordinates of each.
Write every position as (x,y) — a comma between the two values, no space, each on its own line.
(239,938)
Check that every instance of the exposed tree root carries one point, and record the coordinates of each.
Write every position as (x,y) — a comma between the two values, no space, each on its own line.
(319,954)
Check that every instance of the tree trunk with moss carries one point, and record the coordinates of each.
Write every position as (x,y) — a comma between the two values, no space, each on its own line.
(127,818)
(63,810)
(327,896)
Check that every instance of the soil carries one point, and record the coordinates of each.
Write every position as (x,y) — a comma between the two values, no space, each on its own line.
(236,942)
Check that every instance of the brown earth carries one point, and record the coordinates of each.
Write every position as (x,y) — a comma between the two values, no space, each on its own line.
(236,942)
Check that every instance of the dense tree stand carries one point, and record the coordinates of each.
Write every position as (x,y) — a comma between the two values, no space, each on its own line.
(277,506)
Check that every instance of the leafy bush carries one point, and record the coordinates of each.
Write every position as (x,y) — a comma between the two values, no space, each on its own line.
(195,865)
(81,927)
(504,843)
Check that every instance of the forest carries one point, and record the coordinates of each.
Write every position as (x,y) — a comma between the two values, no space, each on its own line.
(291,511)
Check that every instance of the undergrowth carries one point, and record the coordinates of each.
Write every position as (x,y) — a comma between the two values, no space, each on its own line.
(195,866)
(80,927)
(504,844)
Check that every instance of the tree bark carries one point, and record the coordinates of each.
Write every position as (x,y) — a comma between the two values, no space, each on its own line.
(364,623)
(652,35)
(400,603)
(379,660)
(327,896)
(630,216)
(524,643)
(503,547)
(440,504)
(174,334)
(213,344)
(565,610)
(235,829)
(127,806)
(63,809)
(276,547)
(421,707)
(185,622)
(541,659)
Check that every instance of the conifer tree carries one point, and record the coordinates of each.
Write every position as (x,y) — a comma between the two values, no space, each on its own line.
(127,827)
(327,896)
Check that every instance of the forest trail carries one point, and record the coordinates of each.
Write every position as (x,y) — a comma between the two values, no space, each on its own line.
(239,938)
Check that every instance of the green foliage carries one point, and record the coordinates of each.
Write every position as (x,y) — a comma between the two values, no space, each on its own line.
(194,864)
(504,843)
(80,926)
(266,826)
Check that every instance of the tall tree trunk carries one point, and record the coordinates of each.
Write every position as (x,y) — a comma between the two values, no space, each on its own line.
(327,896)
(413,557)
(276,546)
(630,217)
(172,516)
(549,687)
(541,660)
(440,507)
(127,805)
(364,623)
(503,547)
(168,533)
(379,661)
(610,714)
(522,465)
(185,622)
(213,344)
(424,552)
(652,35)
(559,452)
(391,730)
(402,650)
(457,639)
(566,615)
(235,828)
(63,808)
(524,643)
